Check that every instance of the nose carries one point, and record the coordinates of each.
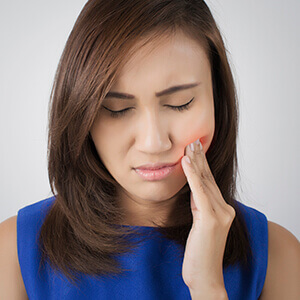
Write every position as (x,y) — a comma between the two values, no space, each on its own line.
(153,136)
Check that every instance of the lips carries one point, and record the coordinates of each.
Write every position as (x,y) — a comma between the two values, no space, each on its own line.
(156,174)
(155,166)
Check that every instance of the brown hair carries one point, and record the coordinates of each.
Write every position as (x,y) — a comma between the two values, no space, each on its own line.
(79,232)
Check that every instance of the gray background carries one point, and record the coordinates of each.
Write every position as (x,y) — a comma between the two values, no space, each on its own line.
(263,42)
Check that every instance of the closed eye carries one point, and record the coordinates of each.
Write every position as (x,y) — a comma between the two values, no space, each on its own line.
(182,107)
(119,113)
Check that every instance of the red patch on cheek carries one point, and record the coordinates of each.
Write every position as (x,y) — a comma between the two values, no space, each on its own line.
(204,140)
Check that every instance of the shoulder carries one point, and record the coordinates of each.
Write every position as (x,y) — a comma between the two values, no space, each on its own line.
(283,271)
(11,282)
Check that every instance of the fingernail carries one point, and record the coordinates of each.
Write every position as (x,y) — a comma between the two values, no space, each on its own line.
(199,143)
(187,159)
(192,146)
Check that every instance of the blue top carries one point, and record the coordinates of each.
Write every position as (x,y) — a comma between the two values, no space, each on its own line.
(155,268)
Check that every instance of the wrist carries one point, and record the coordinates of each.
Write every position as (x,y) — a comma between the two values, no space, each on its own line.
(209,294)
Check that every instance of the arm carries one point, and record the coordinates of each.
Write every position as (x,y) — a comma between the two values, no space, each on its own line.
(11,282)
(283,272)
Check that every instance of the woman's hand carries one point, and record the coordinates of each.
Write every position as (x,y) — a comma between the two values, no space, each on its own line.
(202,269)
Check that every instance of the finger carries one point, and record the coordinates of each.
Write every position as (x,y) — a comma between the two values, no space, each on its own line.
(198,189)
(200,158)
(207,174)
(204,174)
(225,208)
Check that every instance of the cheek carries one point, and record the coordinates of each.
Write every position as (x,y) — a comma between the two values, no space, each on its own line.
(110,144)
(104,141)
(197,126)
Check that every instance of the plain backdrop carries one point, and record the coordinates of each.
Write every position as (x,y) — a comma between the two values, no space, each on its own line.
(263,42)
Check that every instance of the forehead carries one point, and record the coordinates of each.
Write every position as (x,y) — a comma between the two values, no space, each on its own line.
(168,59)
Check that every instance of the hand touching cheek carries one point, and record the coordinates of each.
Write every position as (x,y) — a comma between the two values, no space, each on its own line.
(202,269)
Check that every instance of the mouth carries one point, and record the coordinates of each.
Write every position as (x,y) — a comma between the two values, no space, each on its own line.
(155,173)
(156,166)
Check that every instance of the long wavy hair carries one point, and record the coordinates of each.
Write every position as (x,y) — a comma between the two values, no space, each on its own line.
(79,233)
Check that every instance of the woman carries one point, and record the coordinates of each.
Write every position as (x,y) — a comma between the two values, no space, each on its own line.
(142,163)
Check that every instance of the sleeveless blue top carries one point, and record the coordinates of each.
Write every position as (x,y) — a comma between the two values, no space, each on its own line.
(155,270)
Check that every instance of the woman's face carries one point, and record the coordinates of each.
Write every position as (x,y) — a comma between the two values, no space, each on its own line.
(150,131)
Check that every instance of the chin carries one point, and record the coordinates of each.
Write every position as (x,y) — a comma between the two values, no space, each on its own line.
(157,193)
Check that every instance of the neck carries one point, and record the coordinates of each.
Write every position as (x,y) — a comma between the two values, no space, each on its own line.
(140,212)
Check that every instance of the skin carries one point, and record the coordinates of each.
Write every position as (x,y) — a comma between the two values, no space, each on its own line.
(151,132)
(212,217)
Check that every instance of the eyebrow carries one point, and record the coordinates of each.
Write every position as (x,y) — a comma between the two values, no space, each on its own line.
(168,91)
